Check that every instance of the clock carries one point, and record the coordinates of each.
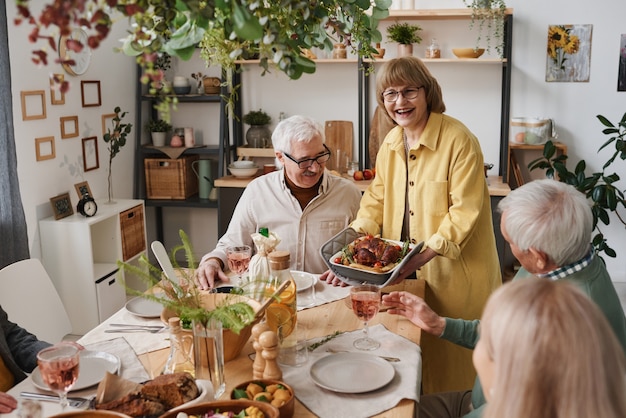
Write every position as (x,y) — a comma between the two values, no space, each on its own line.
(87,206)
(81,59)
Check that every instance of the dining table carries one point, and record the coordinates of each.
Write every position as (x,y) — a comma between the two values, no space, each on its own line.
(330,316)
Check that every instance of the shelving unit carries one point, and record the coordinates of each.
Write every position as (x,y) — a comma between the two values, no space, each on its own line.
(80,254)
(220,152)
(519,155)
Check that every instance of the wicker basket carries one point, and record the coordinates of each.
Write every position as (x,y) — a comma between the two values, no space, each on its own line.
(132,228)
(170,179)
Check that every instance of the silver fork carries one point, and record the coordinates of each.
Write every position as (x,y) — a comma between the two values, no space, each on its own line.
(73,401)
(130,329)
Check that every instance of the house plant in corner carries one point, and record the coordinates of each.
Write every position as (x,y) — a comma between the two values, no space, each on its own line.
(405,35)
(158,129)
(115,140)
(258,134)
(599,187)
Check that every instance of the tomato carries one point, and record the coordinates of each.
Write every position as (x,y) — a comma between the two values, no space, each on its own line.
(337,260)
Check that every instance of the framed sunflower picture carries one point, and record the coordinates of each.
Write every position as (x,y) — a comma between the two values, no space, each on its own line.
(568,53)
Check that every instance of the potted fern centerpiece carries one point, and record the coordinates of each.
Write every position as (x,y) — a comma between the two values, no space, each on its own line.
(405,35)
(259,134)
(181,298)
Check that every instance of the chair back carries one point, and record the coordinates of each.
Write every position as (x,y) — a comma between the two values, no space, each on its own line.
(29,297)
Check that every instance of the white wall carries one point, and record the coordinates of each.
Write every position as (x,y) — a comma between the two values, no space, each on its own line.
(331,94)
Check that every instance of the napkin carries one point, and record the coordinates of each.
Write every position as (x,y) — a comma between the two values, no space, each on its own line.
(325,403)
(326,293)
(131,368)
(141,342)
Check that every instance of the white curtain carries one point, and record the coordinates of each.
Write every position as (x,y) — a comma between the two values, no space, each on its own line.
(13,234)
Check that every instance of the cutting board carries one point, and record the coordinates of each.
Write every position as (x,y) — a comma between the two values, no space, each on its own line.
(339,139)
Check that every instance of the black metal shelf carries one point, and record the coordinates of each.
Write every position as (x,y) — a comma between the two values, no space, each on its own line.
(186,98)
(205,150)
(191,202)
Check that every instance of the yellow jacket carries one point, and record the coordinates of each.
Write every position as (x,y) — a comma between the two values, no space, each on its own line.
(450,210)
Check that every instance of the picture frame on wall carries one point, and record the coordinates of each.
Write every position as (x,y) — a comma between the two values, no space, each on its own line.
(82,188)
(69,127)
(90,153)
(33,104)
(62,206)
(44,148)
(90,93)
(106,120)
(57,97)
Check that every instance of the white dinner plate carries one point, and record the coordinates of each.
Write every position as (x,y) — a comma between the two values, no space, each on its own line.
(303,279)
(92,369)
(144,308)
(352,372)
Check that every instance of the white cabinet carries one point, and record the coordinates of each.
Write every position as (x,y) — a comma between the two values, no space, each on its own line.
(80,255)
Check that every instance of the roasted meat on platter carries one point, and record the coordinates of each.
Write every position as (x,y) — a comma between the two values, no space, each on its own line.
(373,252)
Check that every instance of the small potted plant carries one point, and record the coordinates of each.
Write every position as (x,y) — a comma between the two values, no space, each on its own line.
(158,129)
(405,35)
(259,134)
(488,18)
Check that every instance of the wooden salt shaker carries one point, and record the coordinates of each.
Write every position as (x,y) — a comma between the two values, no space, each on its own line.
(258,367)
(269,342)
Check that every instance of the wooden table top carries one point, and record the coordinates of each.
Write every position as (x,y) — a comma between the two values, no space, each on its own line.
(319,321)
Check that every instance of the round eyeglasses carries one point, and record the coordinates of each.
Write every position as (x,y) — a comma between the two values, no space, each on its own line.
(308,162)
(409,94)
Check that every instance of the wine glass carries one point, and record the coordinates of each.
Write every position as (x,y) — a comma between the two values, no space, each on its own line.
(238,260)
(365,303)
(58,366)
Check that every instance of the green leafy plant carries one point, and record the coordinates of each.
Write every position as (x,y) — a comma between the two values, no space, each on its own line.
(600,187)
(278,32)
(257,117)
(183,297)
(158,125)
(115,139)
(488,16)
(404,33)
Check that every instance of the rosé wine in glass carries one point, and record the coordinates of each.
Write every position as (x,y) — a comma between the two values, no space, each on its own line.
(365,304)
(238,260)
(59,366)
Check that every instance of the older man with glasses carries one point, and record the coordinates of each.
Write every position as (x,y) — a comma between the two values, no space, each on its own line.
(304,204)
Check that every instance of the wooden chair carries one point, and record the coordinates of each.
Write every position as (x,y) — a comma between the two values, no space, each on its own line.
(29,297)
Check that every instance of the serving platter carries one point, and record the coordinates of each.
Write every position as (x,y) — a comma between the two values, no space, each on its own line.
(92,369)
(352,372)
(353,275)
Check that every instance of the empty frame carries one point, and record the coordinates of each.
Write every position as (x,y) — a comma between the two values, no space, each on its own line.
(33,104)
(69,127)
(44,148)
(90,93)
(90,153)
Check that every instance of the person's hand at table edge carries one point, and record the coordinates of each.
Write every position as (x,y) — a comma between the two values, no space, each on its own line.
(329,277)
(208,272)
(7,403)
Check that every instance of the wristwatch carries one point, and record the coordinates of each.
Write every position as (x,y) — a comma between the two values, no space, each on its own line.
(87,206)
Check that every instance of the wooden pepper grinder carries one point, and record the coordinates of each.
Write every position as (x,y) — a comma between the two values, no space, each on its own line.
(269,342)
(258,367)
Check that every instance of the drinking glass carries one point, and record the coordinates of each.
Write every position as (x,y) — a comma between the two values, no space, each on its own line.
(58,366)
(238,260)
(365,303)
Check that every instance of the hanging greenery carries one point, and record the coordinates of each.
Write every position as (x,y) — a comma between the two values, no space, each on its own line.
(277,31)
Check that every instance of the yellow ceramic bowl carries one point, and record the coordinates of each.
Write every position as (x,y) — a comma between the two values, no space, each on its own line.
(233,343)
(286,410)
(468,52)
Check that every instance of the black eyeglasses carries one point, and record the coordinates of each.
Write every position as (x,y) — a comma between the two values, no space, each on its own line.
(308,162)
(409,94)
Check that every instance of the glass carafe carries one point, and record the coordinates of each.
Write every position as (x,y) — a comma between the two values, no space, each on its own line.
(181,350)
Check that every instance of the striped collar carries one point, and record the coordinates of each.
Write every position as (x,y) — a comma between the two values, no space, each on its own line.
(572,268)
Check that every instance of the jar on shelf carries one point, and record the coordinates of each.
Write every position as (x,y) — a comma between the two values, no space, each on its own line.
(433,50)
(339,51)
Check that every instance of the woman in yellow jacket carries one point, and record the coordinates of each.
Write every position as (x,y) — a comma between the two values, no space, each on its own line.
(430,186)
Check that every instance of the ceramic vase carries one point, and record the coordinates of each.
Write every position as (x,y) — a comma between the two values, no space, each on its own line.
(259,136)
(405,50)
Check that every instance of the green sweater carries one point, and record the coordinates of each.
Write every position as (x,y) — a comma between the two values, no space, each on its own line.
(594,280)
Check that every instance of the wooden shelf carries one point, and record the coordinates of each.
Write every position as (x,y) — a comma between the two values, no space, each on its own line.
(434,14)
(255,152)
